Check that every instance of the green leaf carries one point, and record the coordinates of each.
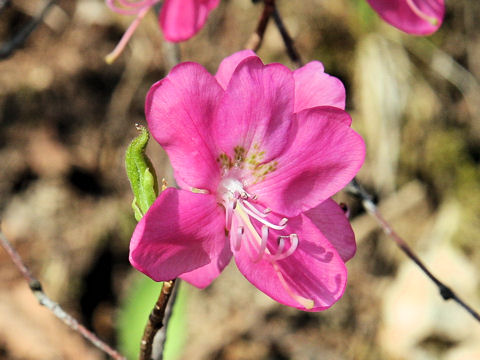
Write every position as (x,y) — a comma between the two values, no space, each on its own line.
(141,174)
(133,316)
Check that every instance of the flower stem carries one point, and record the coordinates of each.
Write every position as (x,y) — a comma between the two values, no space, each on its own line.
(157,320)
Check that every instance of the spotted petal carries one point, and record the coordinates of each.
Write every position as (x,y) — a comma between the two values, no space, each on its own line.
(322,156)
(181,232)
(255,114)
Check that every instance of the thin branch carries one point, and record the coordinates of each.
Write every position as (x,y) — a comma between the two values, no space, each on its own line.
(161,337)
(156,320)
(355,189)
(256,38)
(54,307)
(287,39)
(8,48)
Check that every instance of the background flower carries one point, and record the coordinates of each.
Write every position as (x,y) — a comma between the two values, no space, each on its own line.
(420,17)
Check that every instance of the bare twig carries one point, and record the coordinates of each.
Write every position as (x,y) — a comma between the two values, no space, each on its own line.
(8,48)
(156,320)
(287,39)
(54,307)
(354,188)
(256,39)
(158,347)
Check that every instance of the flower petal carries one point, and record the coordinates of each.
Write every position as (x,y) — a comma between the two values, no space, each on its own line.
(256,112)
(181,232)
(229,64)
(179,111)
(313,278)
(420,17)
(181,19)
(313,87)
(323,155)
(332,222)
(203,276)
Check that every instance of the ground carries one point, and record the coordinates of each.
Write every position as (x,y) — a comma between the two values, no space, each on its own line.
(66,118)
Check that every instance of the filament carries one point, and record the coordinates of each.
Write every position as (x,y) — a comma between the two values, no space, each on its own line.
(279,255)
(255,210)
(237,238)
(281,226)
(263,245)
(417,11)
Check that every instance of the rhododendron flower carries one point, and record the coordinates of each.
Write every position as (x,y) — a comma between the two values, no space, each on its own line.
(179,19)
(421,17)
(257,151)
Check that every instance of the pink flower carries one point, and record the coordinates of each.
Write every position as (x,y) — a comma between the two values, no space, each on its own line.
(420,17)
(179,19)
(257,150)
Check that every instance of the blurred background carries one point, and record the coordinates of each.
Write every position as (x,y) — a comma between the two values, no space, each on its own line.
(66,118)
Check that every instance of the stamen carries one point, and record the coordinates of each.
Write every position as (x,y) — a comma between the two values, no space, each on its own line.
(279,255)
(417,11)
(306,303)
(263,245)
(254,209)
(263,221)
(237,239)
(110,58)
(253,197)
(267,211)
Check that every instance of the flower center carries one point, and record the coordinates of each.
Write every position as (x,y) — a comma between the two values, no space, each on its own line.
(245,207)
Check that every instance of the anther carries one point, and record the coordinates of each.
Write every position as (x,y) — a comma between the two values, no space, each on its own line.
(279,255)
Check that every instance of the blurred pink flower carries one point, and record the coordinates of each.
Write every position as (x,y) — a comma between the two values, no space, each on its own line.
(420,17)
(257,151)
(179,19)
